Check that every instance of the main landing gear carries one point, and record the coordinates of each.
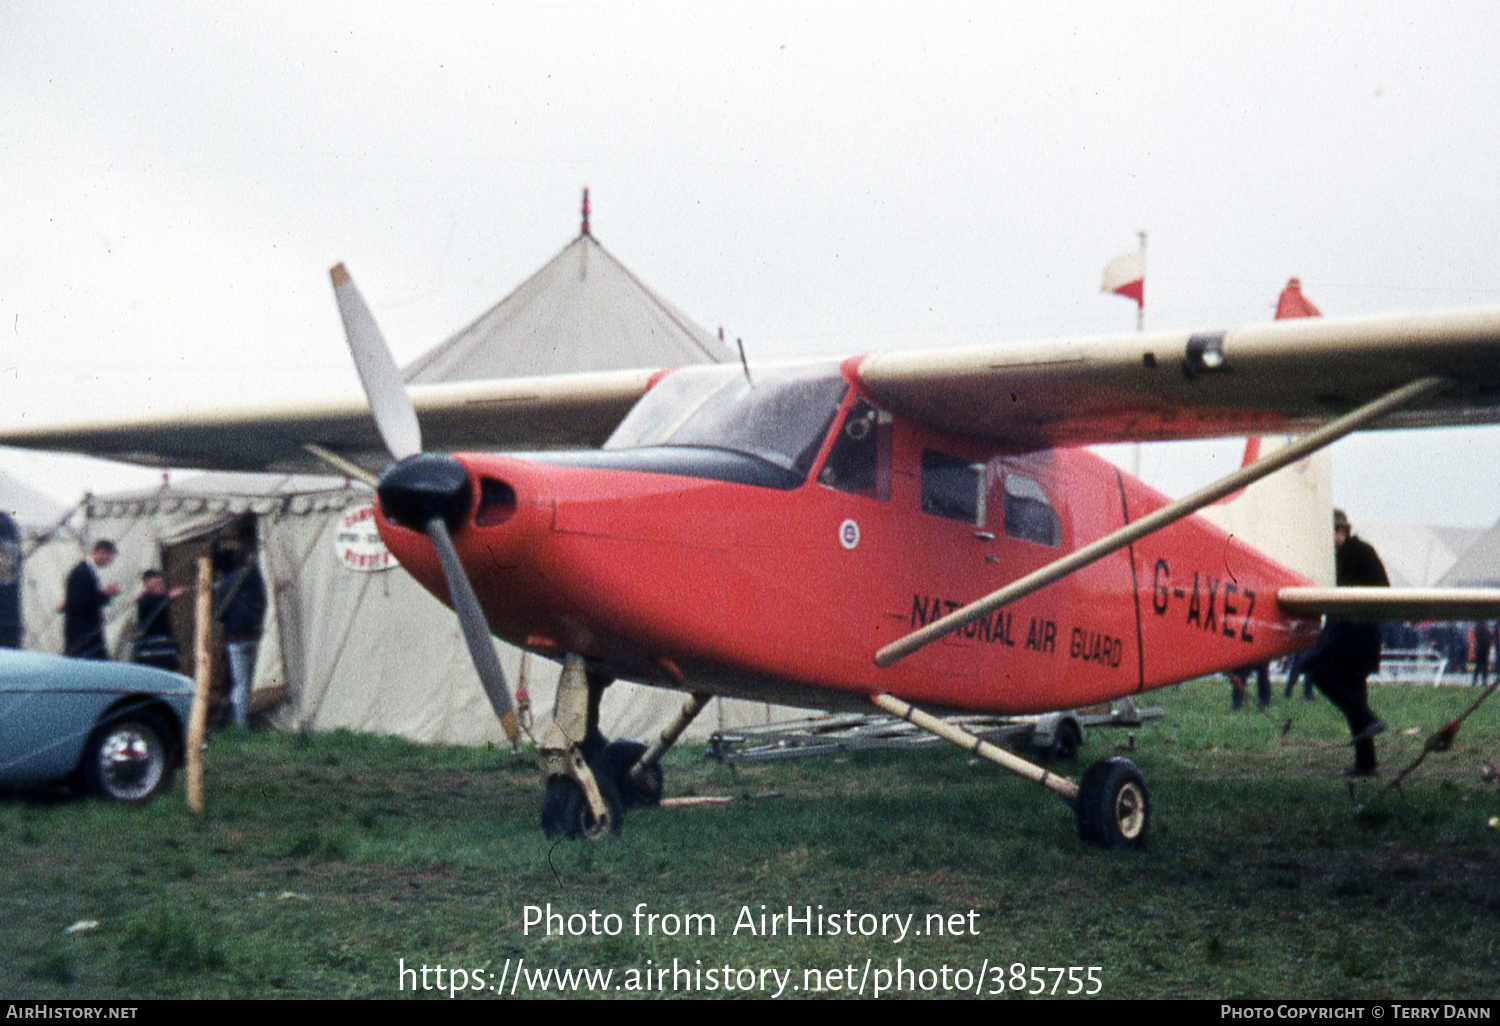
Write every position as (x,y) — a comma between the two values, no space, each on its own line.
(591,782)
(1112,805)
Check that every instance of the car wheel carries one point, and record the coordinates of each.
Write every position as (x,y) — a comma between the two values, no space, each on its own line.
(128,758)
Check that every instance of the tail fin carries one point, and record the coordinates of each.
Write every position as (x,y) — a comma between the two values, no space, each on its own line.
(1288,516)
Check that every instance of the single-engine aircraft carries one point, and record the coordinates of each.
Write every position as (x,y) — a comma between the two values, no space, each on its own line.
(922,531)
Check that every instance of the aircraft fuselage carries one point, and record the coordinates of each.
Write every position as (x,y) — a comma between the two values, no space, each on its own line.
(695,567)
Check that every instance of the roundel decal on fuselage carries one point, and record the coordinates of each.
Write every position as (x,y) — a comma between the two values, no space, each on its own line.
(848,534)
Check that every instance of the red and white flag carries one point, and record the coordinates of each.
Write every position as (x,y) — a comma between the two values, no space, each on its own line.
(1126,276)
(1292,303)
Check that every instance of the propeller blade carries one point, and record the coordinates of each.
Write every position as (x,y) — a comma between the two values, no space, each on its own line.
(476,629)
(423,491)
(395,417)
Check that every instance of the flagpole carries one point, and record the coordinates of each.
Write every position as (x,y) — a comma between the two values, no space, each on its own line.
(1140,326)
(1140,308)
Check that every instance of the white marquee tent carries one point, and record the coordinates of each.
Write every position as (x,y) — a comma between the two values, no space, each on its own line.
(1478,566)
(368,649)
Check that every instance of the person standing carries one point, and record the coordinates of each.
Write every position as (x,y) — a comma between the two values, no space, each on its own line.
(1294,673)
(10,583)
(84,599)
(1348,651)
(1484,638)
(241,602)
(155,641)
(1239,682)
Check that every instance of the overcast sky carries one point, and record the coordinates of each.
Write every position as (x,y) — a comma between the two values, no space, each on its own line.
(176,179)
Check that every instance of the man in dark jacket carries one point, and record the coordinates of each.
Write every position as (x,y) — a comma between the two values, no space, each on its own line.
(1347,651)
(1484,636)
(83,604)
(155,641)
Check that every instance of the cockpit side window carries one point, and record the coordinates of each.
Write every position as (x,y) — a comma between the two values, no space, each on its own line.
(1029,515)
(952,487)
(859,462)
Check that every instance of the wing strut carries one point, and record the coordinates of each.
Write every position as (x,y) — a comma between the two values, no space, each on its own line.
(341,463)
(1061,786)
(1169,514)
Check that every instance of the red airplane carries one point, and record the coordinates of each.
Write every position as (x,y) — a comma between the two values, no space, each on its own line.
(920,531)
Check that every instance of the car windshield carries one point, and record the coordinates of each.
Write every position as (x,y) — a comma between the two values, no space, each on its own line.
(781,416)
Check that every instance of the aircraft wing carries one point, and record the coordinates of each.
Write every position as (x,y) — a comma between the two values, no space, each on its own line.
(1264,379)
(565,411)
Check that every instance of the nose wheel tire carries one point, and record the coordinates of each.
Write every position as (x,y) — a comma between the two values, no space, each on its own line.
(565,810)
(1114,809)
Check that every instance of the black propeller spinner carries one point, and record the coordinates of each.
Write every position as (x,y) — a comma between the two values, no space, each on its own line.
(415,490)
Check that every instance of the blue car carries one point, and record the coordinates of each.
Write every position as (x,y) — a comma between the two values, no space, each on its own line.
(115,730)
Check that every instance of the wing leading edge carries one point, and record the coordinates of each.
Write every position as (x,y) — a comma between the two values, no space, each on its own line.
(1273,378)
(565,411)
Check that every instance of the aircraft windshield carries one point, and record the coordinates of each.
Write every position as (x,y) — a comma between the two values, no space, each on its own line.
(781,418)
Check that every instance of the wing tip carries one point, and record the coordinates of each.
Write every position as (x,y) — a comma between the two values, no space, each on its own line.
(339,275)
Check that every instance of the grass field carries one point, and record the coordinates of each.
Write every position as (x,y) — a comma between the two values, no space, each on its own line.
(327,863)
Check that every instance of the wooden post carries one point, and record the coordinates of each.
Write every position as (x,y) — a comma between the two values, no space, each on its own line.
(202,675)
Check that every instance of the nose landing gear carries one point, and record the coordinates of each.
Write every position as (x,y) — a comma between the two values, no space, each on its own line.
(590,783)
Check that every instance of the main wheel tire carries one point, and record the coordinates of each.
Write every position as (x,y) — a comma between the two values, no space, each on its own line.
(129,758)
(1065,743)
(565,810)
(615,763)
(1114,809)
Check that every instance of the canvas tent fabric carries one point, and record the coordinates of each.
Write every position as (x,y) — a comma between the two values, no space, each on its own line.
(583,311)
(144,525)
(1418,555)
(1478,566)
(30,515)
(31,510)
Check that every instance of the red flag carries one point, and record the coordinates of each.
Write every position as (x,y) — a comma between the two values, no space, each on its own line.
(1126,276)
(1293,303)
